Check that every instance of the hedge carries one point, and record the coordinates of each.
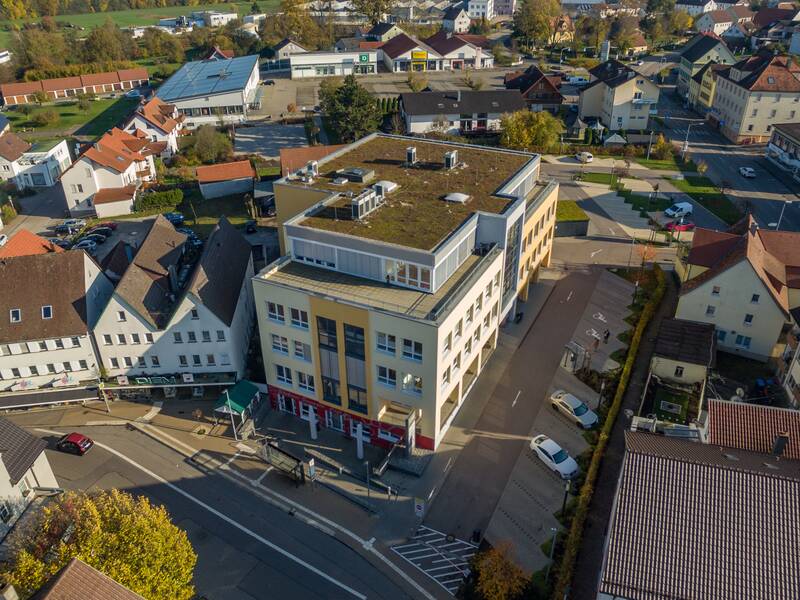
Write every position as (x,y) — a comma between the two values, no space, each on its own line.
(158,200)
(573,542)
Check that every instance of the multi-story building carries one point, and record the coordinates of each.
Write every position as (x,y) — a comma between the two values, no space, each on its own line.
(32,165)
(159,121)
(118,161)
(719,22)
(505,7)
(539,91)
(481,9)
(619,96)
(783,148)
(696,7)
(700,50)
(458,112)
(49,305)
(755,94)
(703,85)
(456,19)
(385,307)
(175,311)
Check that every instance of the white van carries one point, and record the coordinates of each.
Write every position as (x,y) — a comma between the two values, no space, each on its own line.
(679,209)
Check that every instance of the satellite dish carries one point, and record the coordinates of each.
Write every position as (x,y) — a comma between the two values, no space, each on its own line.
(740,392)
(628,413)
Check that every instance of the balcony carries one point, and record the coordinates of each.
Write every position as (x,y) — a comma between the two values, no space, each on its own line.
(644,101)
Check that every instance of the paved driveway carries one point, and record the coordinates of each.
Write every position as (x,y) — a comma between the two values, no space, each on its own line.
(39,213)
(267,140)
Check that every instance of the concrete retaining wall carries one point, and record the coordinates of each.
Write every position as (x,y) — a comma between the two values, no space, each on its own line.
(572,228)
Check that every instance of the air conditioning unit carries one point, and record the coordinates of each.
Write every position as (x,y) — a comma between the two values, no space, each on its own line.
(451,160)
(312,168)
(411,155)
(384,188)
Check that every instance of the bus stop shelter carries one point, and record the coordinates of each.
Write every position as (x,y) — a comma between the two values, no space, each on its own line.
(237,400)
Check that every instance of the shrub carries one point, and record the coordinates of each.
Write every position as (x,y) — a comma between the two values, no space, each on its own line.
(45,118)
(7,213)
(157,201)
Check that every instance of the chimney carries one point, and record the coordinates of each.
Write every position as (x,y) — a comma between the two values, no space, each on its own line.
(781,440)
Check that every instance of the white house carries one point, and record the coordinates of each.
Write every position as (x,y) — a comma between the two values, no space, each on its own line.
(5,56)
(174,313)
(160,122)
(38,165)
(46,317)
(721,21)
(328,64)
(256,19)
(226,179)
(117,160)
(459,53)
(404,53)
(24,470)
(212,18)
(480,9)
(456,19)
(458,112)
(286,48)
(696,7)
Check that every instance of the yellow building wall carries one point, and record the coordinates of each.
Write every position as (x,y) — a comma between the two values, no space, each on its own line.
(665,369)
(528,265)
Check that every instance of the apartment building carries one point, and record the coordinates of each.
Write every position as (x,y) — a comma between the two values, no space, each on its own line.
(458,112)
(618,96)
(47,316)
(754,95)
(783,148)
(505,7)
(697,52)
(720,22)
(178,311)
(32,165)
(703,86)
(384,309)
(118,161)
(481,9)
(159,121)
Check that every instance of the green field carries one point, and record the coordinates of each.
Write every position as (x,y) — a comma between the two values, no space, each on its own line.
(102,115)
(706,193)
(568,210)
(142,16)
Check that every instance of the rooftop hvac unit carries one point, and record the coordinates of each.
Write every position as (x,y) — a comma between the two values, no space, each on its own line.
(365,203)
(312,168)
(357,174)
(450,160)
(384,188)
(411,155)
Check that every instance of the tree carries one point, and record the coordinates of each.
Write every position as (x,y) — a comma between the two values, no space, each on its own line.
(622,32)
(351,109)
(496,576)
(662,149)
(45,118)
(680,21)
(533,19)
(210,145)
(526,130)
(663,7)
(592,29)
(122,536)
(373,10)
(416,82)
(255,8)
(40,97)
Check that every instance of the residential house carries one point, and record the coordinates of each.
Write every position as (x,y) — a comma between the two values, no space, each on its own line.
(26,243)
(32,165)
(457,112)
(704,513)
(48,315)
(456,19)
(701,49)
(562,29)
(458,53)
(286,48)
(24,470)
(703,85)
(618,96)
(684,351)
(783,148)
(226,179)
(77,580)
(744,282)
(481,9)
(118,160)
(218,53)
(159,121)
(539,91)
(774,26)
(383,32)
(505,8)
(755,427)
(755,94)
(719,22)
(696,7)
(174,313)
(638,45)
(70,87)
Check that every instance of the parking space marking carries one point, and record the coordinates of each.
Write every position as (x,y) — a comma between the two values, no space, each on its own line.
(514,403)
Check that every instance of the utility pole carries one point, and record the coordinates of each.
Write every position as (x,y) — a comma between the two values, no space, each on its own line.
(366,463)
(230,411)
(780,217)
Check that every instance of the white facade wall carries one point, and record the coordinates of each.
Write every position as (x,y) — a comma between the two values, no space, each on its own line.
(15,498)
(154,133)
(429,123)
(288,50)
(37,169)
(218,189)
(695,10)
(330,64)
(86,177)
(477,9)
(204,109)
(458,25)
(113,209)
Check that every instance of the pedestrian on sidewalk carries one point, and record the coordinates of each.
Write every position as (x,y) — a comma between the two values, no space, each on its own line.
(606,335)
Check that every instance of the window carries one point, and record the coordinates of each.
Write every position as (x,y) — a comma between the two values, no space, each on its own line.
(177,337)
(83,365)
(721,335)
(284,375)
(107,340)
(51,368)
(326,333)
(412,384)
(135,339)
(715,290)
(59,343)
(478,304)
(457,363)
(196,360)
(128,361)
(470,315)
(446,377)
(47,312)
(476,337)
(154,361)
(488,290)
(194,314)
(43,345)
(305,381)
(468,347)
(710,310)
(182,360)
(191,337)
(206,336)
(302,351)
(15,315)
(114,363)
(210,360)
(331,390)
(148,337)
(448,343)
(743,341)
(142,362)
(487,320)
(220,335)
(5,512)
(357,399)
(15,372)
(121,316)
(755,298)
(275,312)
(34,370)
(679,371)
(386,343)
(354,341)
(412,350)
(121,339)
(459,329)
(299,318)
(387,376)
(748,319)
(280,344)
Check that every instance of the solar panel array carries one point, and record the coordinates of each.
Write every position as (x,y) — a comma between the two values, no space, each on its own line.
(208,77)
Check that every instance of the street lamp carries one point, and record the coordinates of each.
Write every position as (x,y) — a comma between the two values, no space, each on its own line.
(567,487)
(780,217)
(686,141)
(561,56)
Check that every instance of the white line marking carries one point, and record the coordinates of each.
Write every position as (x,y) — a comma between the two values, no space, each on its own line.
(232,458)
(595,253)
(226,518)
(397,548)
(154,410)
(514,403)
(437,568)
(447,466)
(433,489)
(569,296)
(415,550)
(260,478)
(424,556)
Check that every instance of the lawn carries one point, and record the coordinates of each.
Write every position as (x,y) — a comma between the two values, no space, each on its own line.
(675,399)
(102,115)
(568,210)
(604,178)
(706,193)
(670,164)
(201,215)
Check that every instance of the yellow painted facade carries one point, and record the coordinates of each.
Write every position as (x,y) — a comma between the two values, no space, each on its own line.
(537,242)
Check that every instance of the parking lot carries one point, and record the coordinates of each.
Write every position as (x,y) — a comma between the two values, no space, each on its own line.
(267,140)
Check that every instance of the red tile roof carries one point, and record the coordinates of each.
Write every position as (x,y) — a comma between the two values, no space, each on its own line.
(26,243)
(295,158)
(116,150)
(136,74)
(20,89)
(79,581)
(61,83)
(108,195)
(100,78)
(369,45)
(225,171)
(767,16)
(753,427)
(445,42)
(158,113)
(710,246)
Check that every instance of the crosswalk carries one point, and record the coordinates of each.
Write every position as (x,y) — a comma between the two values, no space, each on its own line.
(442,558)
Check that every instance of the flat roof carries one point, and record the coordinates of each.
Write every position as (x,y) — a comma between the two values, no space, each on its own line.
(207,77)
(415,215)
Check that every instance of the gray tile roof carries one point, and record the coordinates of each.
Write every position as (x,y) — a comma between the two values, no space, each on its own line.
(18,449)
(686,341)
(79,581)
(438,103)
(699,522)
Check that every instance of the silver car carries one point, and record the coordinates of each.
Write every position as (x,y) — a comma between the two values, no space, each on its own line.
(573,409)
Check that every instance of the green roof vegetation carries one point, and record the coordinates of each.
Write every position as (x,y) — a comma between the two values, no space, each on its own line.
(568,210)
(416,215)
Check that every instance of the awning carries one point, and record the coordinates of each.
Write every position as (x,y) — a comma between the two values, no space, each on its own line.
(237,399)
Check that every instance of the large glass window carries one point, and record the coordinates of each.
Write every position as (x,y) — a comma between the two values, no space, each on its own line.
(326,333)
(387,376)
(354,341)
(386,343)
(330,390)
(412,350)
(357,399)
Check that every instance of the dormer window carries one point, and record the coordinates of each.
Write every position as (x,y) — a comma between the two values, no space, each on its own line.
(47,312)
(15,315)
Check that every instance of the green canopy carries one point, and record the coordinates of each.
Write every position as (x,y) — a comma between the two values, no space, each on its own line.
(237,399)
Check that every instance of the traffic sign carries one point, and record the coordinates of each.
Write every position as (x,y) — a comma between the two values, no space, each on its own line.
(419,507)
(312,469)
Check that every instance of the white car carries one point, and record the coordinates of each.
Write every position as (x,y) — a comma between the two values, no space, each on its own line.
(573,409)
(554,456)
(748,172)
(74,223)
(584,157)
(3,239)
(679,209)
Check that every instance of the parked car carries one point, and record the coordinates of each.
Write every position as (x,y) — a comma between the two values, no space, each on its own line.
(64,229)
(94,237)
(186,231)
(584,157)
(748,172)
(3,239)
(679,209)
(639,63)
(104,231)
(74,223)
(75,443)
(176,219)
(572,408)
(110,224)
(62,243)
(554,457)
(268,82)
(680,225)
(88,245)
(134,94)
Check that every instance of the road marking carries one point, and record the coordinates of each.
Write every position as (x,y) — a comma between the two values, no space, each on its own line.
(150,415)
(569,296)
(449,462)
(260,478)
(232,458)
(430,494)
(514,403)
(368,544)
(225,518)
(595,253)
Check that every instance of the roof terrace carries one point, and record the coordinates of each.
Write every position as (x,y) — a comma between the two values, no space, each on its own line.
(415,214)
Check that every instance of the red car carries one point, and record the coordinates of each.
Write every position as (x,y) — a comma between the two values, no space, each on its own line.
(110,224)
(680,226)
(75,443)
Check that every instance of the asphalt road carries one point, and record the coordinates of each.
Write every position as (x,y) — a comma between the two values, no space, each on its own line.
(247,548)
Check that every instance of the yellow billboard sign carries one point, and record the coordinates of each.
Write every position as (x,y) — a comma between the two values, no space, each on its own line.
(419,55)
